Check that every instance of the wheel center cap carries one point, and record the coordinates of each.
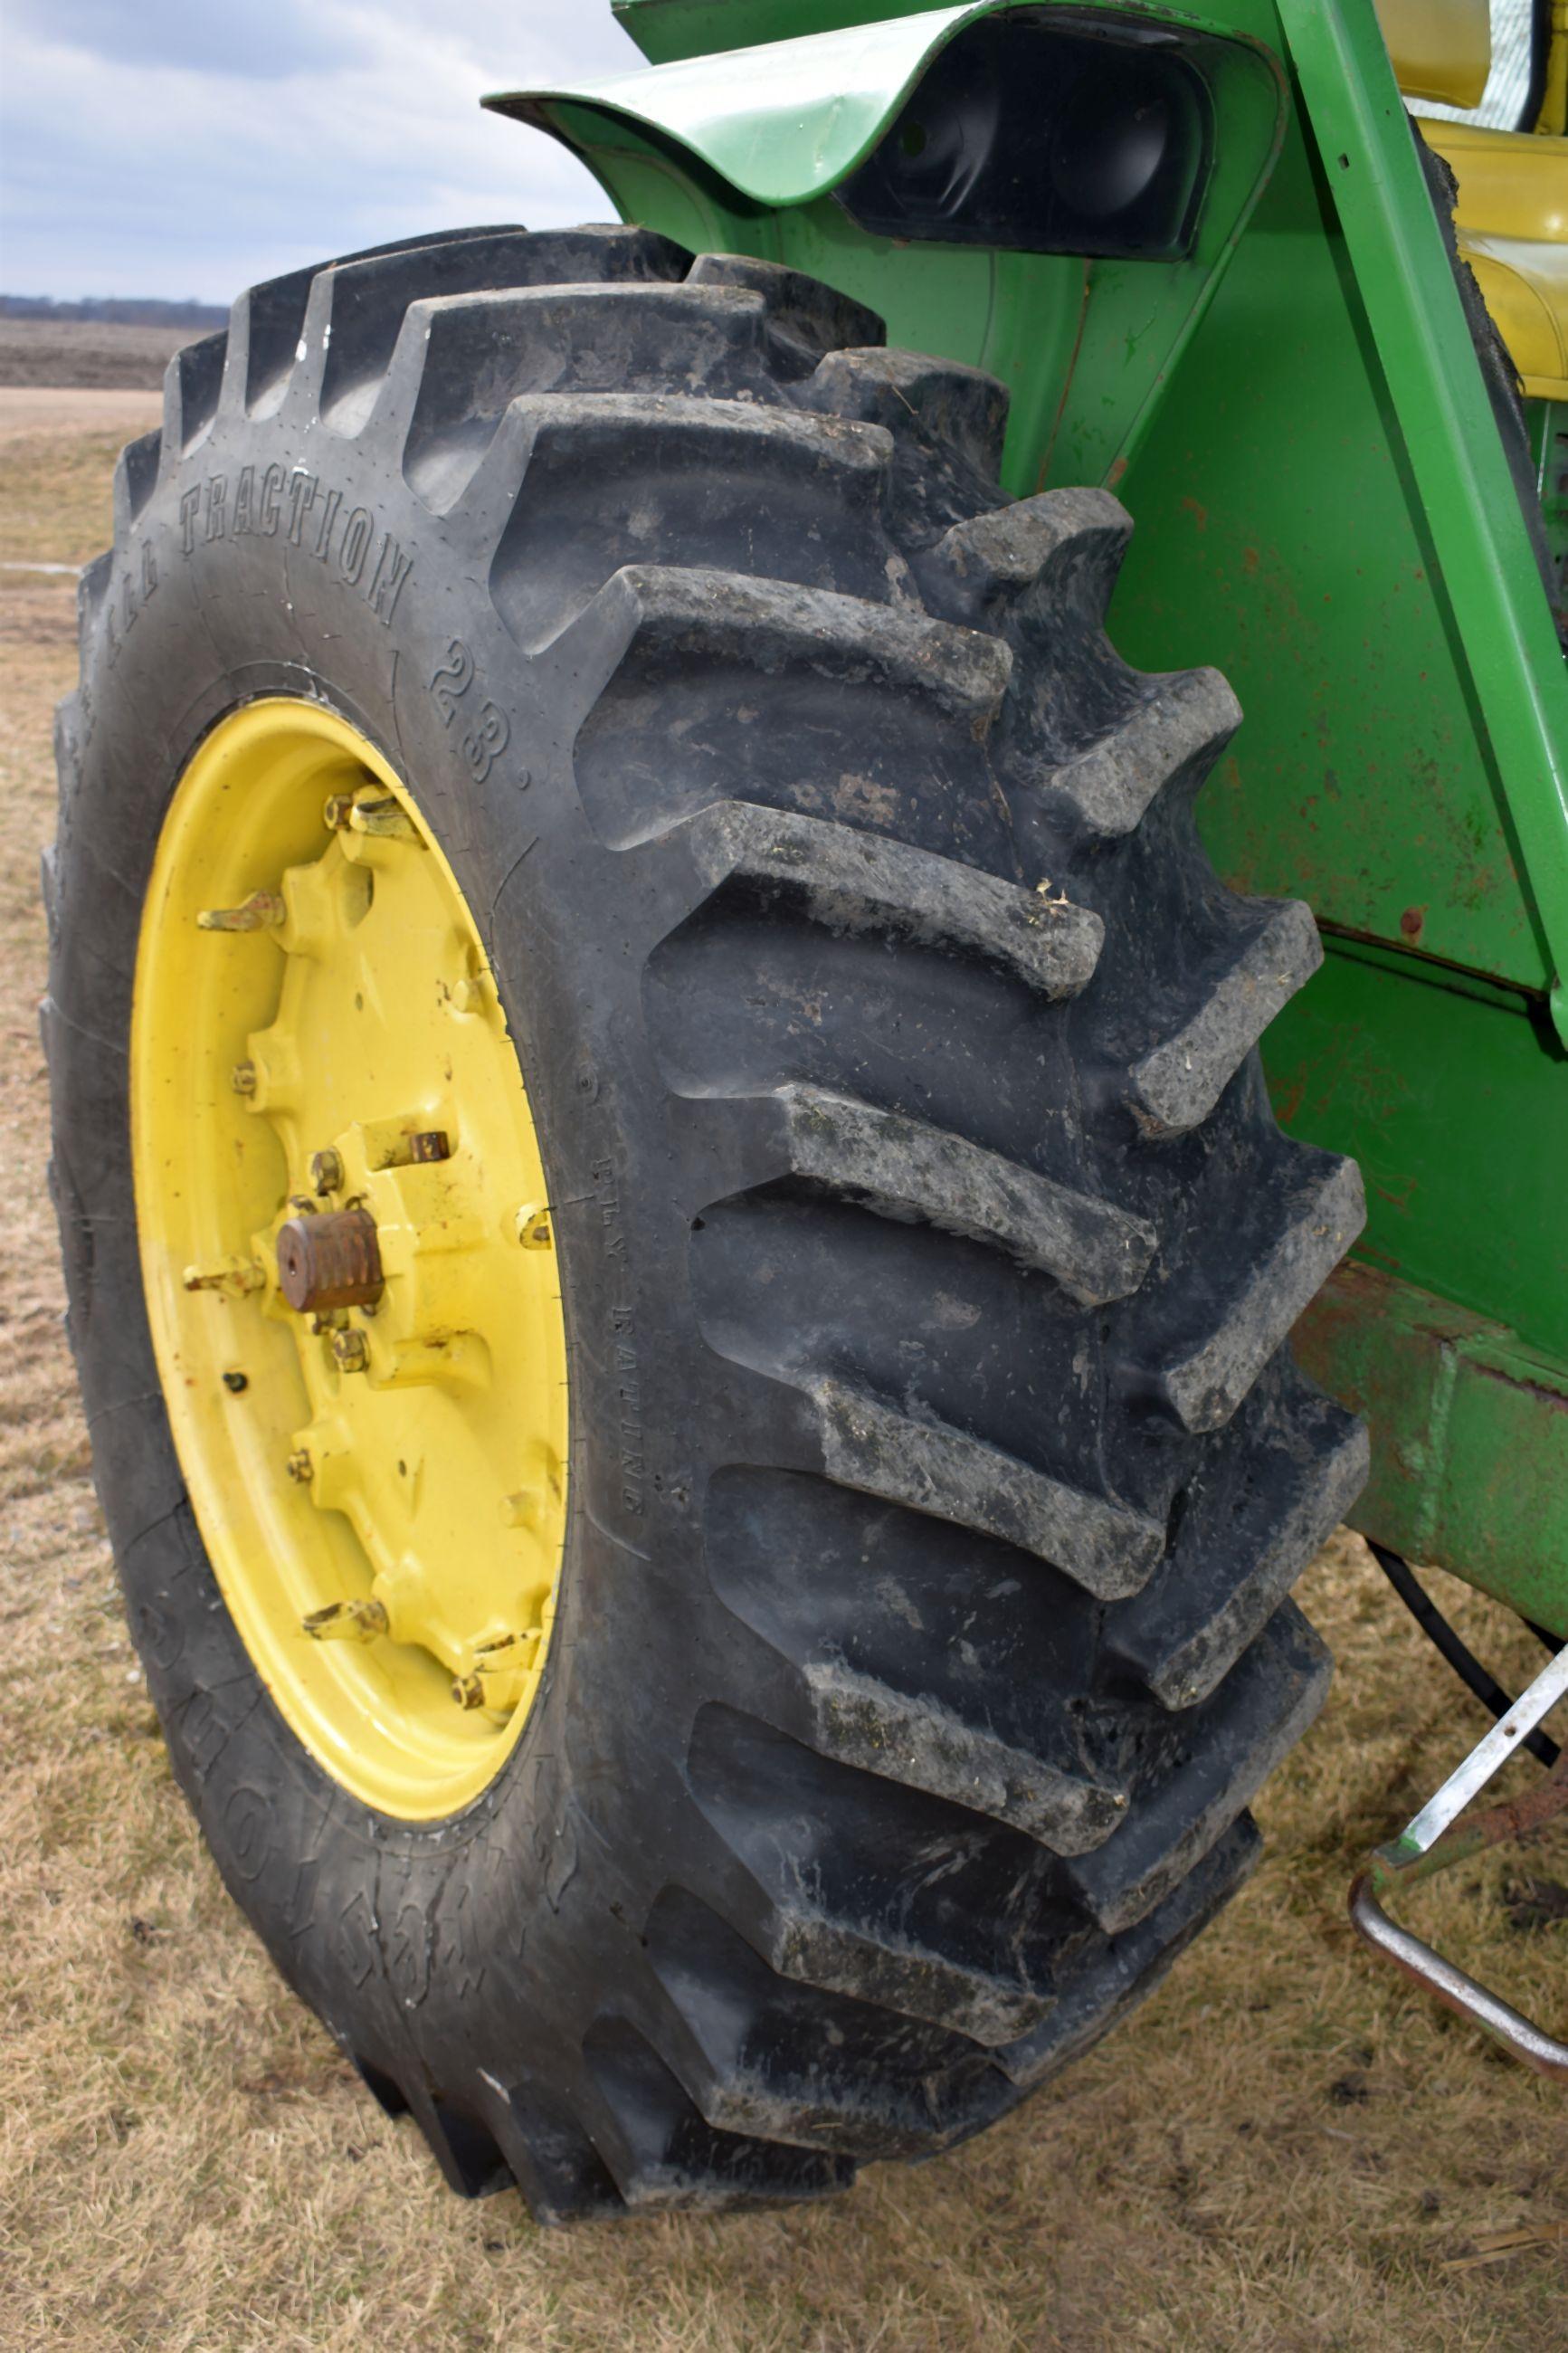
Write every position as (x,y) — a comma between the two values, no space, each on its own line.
(330,1260)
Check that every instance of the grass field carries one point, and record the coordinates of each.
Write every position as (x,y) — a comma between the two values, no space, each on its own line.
(87,352)
(1286,2151)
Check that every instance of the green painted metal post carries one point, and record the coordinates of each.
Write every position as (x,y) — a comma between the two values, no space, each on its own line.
(1412,307)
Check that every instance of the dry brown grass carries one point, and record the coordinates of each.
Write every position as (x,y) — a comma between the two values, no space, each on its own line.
(1285,2152)
(87,352)
(55,502)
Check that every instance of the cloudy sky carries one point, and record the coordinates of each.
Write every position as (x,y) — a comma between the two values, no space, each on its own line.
(188,147)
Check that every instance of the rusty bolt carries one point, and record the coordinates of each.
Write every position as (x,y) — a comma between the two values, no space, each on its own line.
(326,1170)
(354,1621)
(263,910)
(506,1654)
(330,1260)
(350,1351)
(467,1691)
(534,1230)
(242,1078)
(234,1277)
(377,814)
(383,817)
(430,1143)
(300,1467)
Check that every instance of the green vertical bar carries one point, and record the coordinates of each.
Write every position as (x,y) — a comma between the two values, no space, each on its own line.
(1442,412)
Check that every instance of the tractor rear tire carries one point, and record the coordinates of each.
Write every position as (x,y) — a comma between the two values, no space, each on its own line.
(939,1469)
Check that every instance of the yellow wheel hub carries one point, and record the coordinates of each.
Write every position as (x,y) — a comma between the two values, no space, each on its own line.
(349,1259)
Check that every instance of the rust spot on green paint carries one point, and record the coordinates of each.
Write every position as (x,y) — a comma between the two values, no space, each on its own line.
(1398,1196)
(1288,1101)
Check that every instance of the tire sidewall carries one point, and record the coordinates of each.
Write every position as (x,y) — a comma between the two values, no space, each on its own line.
(399,1948)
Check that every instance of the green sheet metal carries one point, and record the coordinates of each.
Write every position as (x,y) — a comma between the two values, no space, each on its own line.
(1411,306)
(1453,1094)
(1469,1465)
(1086,351)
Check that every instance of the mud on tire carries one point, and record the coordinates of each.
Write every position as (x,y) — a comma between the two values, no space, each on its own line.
(940,1471)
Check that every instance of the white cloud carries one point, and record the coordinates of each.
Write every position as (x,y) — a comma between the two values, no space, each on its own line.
(178,149)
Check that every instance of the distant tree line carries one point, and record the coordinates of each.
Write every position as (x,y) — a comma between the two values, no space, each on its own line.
(114,311)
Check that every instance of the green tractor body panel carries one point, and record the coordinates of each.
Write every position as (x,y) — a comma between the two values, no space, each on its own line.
(1289,403)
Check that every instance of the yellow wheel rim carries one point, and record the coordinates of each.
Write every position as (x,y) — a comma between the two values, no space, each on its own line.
(349,1259)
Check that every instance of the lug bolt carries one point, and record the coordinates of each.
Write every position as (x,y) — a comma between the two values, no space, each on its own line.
(242,1078)
(352,1622)
(326,1170)
(380,815)
(507,1654)
(467,1691)
(300,1467)
(350,1351)
(430,1143)
(262,911)
(533,1230)
(237,1276)
(383,818)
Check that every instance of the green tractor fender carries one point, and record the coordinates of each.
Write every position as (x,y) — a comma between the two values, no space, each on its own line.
(751,152)
(814,108)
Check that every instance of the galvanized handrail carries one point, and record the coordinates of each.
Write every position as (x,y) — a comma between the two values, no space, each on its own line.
(1435,1840)
(1451,1986)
